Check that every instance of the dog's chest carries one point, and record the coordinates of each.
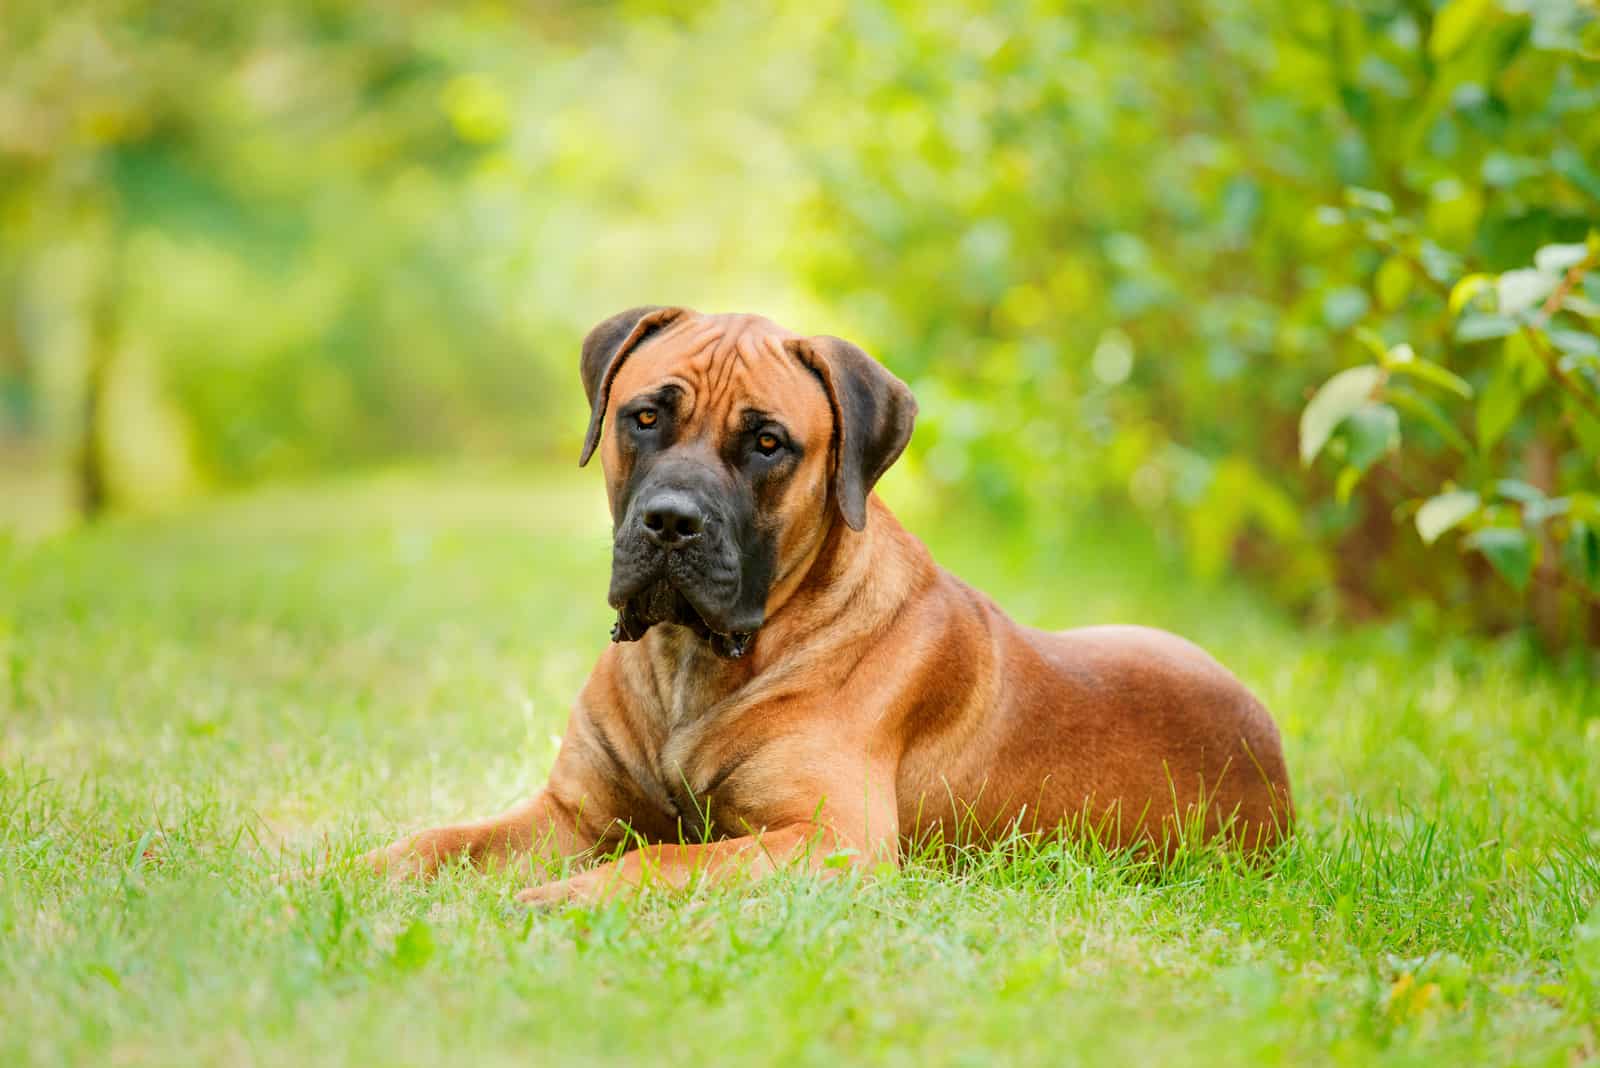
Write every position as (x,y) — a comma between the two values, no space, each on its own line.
(693,781)
(703,737)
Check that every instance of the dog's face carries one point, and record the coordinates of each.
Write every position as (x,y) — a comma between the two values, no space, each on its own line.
(729,444)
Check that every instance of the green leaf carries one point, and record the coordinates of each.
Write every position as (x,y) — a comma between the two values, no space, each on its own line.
(1464,292)
(1342,308)
(1513,489)
(1430,413)
(1537,512)
(1582,553)
(106,972)
(1455,24)
(1400,354)
(1498,406)
(1554,259)
(1430,372)
(840,859)
(1581,306)
(1438,264)
(1374,343)
(1519,352)
(414,947)
(1393,282)
(1440,514)
(1508,549)
(1346,484)
(1585,425)
(1522,290)
(1569,163)
(1575,343)
(1372,431)
(1454,210)
(1479,327)
(1339,396)
(1369,200)
(1503,170)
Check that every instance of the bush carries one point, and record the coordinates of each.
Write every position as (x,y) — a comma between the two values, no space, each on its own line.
(1128,245)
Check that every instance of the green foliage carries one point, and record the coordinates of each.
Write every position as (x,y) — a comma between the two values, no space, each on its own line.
(1445,512)
(332,234)
(1381,207)
(1345,394)
(1115,249)
(248,201)
(1523,332)
(1543,387)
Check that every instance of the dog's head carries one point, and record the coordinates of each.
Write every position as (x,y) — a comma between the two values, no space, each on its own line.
(729,446)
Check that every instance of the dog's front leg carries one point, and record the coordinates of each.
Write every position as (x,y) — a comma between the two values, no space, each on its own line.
(676,866)
(579,808)
(541,822)
(806,845)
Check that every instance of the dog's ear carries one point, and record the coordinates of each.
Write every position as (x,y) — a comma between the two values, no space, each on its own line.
(873,413)
(604,350)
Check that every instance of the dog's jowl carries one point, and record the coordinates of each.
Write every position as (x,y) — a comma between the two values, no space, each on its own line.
(792,678)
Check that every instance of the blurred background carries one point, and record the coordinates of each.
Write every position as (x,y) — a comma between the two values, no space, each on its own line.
(1308,290)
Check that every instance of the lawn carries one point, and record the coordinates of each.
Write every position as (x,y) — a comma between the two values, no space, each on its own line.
(193,704)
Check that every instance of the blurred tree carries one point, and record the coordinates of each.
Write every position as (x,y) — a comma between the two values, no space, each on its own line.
(242,187)
(1116,250)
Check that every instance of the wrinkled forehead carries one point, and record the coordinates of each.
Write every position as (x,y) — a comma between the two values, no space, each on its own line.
(727,365)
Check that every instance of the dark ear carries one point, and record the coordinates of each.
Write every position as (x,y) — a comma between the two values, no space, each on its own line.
(872,416)
(604,349)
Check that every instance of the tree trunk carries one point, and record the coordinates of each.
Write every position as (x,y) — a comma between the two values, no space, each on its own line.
(1547,602)
(16,400)
(94,491)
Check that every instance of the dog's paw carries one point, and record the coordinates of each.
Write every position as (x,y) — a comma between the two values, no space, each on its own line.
(549,895)
(409,858)
(605,883)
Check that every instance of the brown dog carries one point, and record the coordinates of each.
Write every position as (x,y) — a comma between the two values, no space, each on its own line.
(794,679)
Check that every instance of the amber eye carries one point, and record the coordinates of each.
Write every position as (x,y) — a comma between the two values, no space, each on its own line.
(647,417)
(767,443)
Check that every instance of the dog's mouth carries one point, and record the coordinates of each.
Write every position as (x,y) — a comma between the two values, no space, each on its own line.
(662,602)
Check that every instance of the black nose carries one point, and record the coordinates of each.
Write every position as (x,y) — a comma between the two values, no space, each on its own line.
(671,518)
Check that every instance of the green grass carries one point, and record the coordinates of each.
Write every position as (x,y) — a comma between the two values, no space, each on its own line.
(190,705)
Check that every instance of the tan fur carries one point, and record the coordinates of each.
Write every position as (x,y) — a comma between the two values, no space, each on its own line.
(883,701)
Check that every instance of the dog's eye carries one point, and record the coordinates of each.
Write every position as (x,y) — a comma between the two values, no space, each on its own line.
(767,444)
(647,417)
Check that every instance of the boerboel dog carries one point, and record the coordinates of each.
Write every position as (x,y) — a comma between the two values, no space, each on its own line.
(794,681)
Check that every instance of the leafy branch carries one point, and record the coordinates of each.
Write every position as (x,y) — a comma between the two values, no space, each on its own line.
(1355,415)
